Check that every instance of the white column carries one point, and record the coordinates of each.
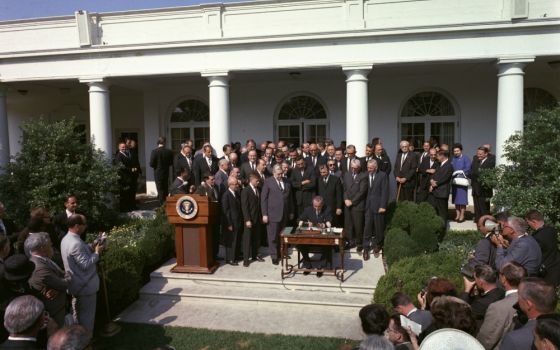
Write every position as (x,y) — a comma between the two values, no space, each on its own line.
(357,106)
(218,91)
(4,132)
(100,114)
(509,118)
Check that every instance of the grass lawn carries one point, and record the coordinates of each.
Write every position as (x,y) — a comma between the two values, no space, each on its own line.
(145,337)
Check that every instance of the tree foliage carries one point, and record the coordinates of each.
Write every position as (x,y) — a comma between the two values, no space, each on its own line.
(53,163)
(530,177)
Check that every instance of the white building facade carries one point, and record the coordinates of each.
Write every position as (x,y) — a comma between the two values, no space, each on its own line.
(463,71)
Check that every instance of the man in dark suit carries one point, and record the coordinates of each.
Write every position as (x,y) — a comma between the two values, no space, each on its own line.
(485,278)
(440,185)
(405,172)
(161,160)
(276,207)
(181,184)
(232,220)
(383,160)
(48,280)
(535,297)
(25,316)
(315,159)
(209,189)
(346,162)
(355,188)
(547,238)
(249,166)
(317,215)
(481,193)
(330,188)
(252,220)
(426,170)
(184,159)
(303,182)
(207,164)
(376,205)
(127,190)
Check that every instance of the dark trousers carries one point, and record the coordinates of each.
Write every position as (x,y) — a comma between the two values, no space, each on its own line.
(162,186)
(481,207)
(421,196)
(374,226)
(406,194)
(273,230)
(440,205)
(326,255)
(230,242)
(251,241)
(353,224)
(215,240)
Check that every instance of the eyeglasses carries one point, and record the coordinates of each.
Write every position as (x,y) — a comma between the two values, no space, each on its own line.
(330,164)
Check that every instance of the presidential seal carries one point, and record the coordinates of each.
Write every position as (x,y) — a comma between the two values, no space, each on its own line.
(186,207)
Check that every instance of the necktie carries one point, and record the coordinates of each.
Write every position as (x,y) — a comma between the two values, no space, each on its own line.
(314,161)
(325,180)
(256,192)
(253,166)
(371,178)
(403,158)
(189,162)
(281,185)
(209,162)
(215,193)
(349,161)
(353,176)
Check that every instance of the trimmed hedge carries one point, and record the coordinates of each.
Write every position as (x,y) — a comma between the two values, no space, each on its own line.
(133,250)
(413,229)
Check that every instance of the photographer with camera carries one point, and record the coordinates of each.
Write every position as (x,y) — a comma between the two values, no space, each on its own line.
(80,262)
(482,291)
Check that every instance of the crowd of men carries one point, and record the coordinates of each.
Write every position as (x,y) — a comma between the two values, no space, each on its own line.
(353,191)
(48,281)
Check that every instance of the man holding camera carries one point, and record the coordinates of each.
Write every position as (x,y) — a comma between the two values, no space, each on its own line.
(80,264)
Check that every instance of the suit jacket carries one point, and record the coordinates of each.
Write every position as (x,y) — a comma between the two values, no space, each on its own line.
(476,170)
(251,205)
(525,250)
(378,192)
(221,181)
(201,168)
(422,317)
(408,168)
(331,192)
(180,161)
(344,165)
(213,193)
(20,344)
(231,211)
(355,189)
(520,339)
(160,160)
(383,164)
(424,177)
(125,164)
(547,238)
(47,275)
(498,320)
(481,303)
(303,193)
(309,214)
(179,187)
(443,177)
(275,203)
(246,170)
(321,160)
(80,264)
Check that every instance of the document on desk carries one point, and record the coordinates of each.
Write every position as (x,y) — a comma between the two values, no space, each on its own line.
(337,230)
(406,323)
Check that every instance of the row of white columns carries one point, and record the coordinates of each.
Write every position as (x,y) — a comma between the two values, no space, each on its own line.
(509,109)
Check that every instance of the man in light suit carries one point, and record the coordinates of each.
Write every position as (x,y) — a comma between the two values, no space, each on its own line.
(498,319)
(161,159)
(222,175)
(405,172)
(80,264)
(535,297)
(330,188)
(252,216)
(440,185)
(48,280)
(276,207)
(376,205)
(355,187)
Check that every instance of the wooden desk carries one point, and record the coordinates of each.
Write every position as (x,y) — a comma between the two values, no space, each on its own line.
(289,236)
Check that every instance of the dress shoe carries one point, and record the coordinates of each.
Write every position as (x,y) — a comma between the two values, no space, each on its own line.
(246,264)
(232,263)
(376,251)
(305,273)
(258,258)
(366,255)
(359,249)
(319,274)
(218,258)
(275,262)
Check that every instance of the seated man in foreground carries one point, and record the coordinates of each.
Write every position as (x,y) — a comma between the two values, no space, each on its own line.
(316,216)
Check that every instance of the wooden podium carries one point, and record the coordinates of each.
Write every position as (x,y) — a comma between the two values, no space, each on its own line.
(193,236)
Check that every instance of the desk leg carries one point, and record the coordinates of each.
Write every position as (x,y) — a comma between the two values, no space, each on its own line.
(341,250)
(282,257)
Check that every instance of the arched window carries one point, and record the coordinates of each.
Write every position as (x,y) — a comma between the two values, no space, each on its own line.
(428,114)
(302,119)
(190,120)
(535,98)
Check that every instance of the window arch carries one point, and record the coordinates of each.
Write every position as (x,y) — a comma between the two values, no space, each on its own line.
(428,114)
(535,98)
(302,118)
(190,119)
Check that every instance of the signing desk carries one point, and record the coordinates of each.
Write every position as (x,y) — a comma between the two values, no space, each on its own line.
(315,237)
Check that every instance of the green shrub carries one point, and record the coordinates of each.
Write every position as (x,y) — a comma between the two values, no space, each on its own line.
(53,163)
(422,225)
(411,274)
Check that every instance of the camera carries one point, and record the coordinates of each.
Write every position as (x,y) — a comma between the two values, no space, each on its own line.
(468,271)
(100,240)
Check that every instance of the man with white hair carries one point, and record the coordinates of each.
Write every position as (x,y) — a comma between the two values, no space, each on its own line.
(515,245)
(405,172)
(25,316)
(355,188)
(71,337)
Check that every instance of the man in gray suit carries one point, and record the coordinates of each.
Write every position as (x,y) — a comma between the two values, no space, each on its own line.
(535,297)
(403,305)
(376,204)
(355,186)
(48,280)
(498,319)
(276,207)
(80,264)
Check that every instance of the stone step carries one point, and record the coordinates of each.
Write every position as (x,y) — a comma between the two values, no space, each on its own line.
(190,289)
